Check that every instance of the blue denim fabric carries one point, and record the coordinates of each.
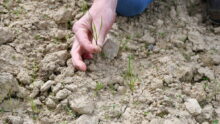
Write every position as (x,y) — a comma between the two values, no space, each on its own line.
(132,7)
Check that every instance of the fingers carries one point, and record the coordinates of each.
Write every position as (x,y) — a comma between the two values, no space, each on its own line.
(87,56)
(76,53)
(83,39)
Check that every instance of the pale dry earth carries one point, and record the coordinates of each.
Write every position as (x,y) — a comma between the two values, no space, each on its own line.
(166,69)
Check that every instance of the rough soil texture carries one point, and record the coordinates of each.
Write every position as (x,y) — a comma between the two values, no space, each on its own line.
(167,69)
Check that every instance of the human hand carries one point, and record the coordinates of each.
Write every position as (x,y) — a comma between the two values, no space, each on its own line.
(101,15)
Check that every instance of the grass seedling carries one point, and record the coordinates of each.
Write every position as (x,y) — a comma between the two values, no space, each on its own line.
(205,78)
(69,111)
(34,107)
(99,86)
(216,89)
(64,122)
(146,113)
(18,11)
(215,122)
(130,67)
(129,74)
(35,69)
(84,7)
(162,34)
(132,84)
(95,32)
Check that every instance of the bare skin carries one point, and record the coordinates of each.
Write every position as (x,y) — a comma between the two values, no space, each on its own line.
(84,45)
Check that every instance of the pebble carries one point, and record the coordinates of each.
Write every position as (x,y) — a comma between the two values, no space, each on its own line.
(50,103)
(14,120)
(63,15)
(173,121)
(82,105)
(110,49)
(217,111)
(37,84)
(23,92)
(198,42)
(156,83)
(206,72)
(46,86)
(6,35)
(34,92)
(24,77)
(46,120)
(87,119)
(217,30)
(62,94)
(216,59)
(207,112)
(56,88)
(71,87)
(193,106)
(157,121)
(168,79)
(8,85)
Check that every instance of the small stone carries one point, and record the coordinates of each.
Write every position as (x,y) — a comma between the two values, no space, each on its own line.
(63,15)
(216,59)
(121,89)
(157,121)
(52,60)
(8,85)
(197,39)
(34,92)
(56,88)
(207,112)
(178,43)
(37,84)
(206,72)
(197,91)
(28,120)
(64,102)
(37,102)
(62,94)
(148,38)
(24,77)
(217,30)
(205,122)
(193,106)
(110,49)
(82,105)
(145,97)
(156,83)
(46,86)
(87,119)
(50,103)
(5,35)
(217,111)
(185,73)
(43,25)
(60,34)
(14,120)
(10,60)
(168,79)
(46,120)
(159,22)
(71,87)
(23,92)
(173,121)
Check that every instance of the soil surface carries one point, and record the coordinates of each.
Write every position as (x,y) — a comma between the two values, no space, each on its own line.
(163,68)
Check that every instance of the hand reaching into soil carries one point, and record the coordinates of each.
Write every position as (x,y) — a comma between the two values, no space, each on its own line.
(101,15)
